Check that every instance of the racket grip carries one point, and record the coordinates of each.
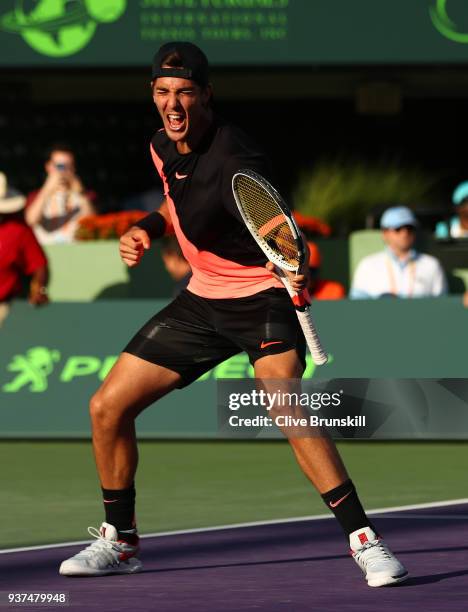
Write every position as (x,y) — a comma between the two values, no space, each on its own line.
(319,356)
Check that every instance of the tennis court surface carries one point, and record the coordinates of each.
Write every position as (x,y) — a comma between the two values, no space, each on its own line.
(292,565)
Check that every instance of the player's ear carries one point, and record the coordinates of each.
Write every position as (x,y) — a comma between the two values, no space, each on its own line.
(207,95)
(153,89)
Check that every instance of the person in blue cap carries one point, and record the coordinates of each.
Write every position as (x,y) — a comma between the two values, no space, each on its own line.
(399,270)
(457,226)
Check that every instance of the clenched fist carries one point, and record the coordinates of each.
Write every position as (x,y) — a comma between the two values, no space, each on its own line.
(132,246)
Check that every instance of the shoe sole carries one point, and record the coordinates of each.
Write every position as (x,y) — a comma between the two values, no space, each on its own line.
(89,572)
(379,582)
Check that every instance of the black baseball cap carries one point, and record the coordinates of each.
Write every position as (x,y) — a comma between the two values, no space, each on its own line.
(195,63)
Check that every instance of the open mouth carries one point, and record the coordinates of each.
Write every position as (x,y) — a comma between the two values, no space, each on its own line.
(176,121)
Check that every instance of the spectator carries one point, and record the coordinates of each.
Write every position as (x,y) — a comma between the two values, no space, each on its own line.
(20,253)
(319,288)
(175,263)
(54,210)
(399,270)
(457,227)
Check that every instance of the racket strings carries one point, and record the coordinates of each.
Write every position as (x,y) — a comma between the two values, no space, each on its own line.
(267,218)
(286,244)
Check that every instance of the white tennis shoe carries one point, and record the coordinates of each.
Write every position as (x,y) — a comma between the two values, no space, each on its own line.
(107,555)
(376,560)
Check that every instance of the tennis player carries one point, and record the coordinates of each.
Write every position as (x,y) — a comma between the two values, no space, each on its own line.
(232,303)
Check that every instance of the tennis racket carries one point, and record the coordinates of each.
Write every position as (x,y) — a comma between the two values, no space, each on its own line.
(270,222)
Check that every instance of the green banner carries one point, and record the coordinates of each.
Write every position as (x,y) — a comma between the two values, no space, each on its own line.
(272,32)
(54,358)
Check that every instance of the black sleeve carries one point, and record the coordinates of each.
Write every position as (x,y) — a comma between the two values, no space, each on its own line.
(154,224)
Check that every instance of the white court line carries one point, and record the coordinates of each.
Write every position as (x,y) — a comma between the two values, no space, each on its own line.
(428,517)
(316,517)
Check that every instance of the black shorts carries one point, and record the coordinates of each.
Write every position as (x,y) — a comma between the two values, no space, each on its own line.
(193,334)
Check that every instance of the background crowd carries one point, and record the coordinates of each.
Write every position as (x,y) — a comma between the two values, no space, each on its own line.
(51,214)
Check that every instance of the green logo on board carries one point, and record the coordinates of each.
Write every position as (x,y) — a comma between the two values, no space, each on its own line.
(32,369)
(446,25)
(59,28)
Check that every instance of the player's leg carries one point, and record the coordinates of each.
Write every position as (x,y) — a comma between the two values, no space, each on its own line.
(130,386)
(318,457)
(267,328)
(171,350)
(314,449)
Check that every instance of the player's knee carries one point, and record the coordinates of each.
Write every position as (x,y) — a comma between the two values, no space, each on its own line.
(100,409)
(107,411)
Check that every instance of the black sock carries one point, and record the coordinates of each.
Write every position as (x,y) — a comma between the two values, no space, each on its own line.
(119,505)
(344,502)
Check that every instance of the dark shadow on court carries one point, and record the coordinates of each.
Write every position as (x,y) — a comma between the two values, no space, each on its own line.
(244,564)
(430,579)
